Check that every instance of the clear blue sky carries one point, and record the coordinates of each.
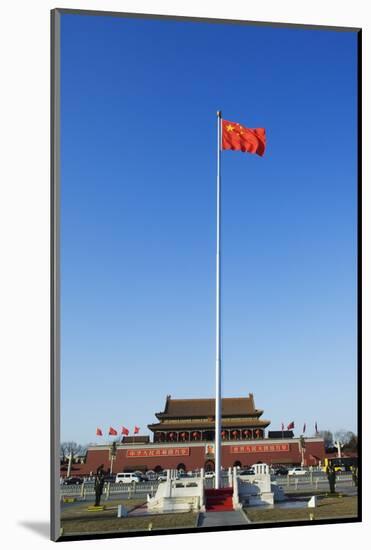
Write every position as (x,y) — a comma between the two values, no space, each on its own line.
(138,119)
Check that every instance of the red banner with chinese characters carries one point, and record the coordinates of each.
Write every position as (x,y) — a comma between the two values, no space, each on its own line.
(177,451)
(270,448)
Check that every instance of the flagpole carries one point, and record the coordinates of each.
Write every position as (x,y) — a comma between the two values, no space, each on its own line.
(218,311)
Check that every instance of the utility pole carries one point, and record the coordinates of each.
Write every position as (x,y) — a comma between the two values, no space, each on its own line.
(338,445)
(69,464)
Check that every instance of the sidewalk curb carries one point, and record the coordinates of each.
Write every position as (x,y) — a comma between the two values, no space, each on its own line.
(243,512)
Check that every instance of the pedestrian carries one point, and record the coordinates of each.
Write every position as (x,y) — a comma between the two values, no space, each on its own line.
(98,485)
(355,475)
(331,476)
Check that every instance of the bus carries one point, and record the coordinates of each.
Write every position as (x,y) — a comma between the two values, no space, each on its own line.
(343,464)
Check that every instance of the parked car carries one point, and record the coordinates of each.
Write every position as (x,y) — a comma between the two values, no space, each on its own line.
(209,475)
(248,472)
(162,476)
(150,476)
(297,472)
(281,471)
(127,477)
(72,481)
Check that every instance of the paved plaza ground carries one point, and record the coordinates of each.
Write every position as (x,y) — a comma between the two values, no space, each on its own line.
(328,507)
(77,519)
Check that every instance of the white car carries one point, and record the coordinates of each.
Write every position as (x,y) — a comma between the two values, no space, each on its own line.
(209,475)
(127,477)
(297,472)
(162,476)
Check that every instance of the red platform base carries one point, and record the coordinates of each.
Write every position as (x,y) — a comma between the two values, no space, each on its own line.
(219,500)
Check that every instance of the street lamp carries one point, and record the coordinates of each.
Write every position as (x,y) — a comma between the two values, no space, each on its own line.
(302,449)
(113,452)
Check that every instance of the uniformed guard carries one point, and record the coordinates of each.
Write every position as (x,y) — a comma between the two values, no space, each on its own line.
(331,476)
(98,485)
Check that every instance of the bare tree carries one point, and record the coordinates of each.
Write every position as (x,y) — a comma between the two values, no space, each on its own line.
(340,436)
(352,442)
(328,438)
(347,439)
(69,450)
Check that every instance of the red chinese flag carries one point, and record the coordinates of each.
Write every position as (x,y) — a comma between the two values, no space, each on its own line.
(238,138)
(124,431)
(112,431)
(136,429)
(291,426)
(99,431)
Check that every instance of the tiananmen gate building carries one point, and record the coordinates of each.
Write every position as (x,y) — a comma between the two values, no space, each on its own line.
(183,439)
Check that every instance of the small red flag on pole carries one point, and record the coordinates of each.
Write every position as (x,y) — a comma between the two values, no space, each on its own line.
(112,431)
(124,431)
(304,427)
(282,426)
(136,429)
(291,426)
(316,427)
(99,432)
